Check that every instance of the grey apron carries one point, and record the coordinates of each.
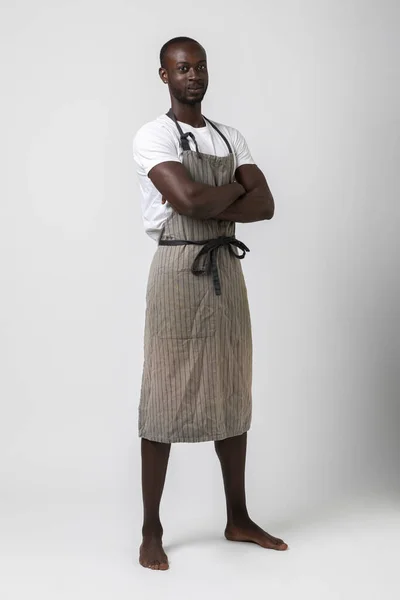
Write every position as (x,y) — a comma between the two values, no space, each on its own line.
(197,372)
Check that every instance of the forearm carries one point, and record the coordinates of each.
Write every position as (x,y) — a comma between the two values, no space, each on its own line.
(209,201)
(253,206)
(189,197)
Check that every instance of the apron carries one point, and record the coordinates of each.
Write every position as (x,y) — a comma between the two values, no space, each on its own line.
(197,372)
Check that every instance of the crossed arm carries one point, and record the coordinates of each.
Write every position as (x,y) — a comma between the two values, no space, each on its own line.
(246,200)
(256,204)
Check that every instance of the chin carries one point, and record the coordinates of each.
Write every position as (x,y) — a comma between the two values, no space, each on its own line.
(193,101)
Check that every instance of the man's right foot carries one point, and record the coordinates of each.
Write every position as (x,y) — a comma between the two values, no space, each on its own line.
(152,554)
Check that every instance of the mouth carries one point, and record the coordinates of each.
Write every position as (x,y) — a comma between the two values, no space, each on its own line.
(196,89)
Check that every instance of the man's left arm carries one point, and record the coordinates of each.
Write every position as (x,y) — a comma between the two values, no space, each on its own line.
(257,204)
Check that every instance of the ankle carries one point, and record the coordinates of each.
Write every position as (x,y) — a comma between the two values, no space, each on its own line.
(154,529)
(238,517)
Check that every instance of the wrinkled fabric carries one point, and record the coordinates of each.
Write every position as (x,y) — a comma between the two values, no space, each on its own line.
(197,372)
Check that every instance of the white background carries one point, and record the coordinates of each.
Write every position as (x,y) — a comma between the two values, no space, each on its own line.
(314,88)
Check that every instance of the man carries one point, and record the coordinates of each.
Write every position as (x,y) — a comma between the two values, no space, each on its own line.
(197,179)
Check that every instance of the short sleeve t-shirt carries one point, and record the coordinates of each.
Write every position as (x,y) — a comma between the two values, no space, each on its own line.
(158,141)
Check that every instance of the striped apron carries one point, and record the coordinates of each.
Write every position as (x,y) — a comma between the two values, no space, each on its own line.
(197,372)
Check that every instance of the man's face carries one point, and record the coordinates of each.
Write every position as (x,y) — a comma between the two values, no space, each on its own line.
(186,72)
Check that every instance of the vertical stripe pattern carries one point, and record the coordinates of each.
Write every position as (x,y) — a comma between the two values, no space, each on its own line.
(197,372)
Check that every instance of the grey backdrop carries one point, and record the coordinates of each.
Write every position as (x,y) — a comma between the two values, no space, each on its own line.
(314,88)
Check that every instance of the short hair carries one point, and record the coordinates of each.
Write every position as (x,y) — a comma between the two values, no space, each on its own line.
(176,40)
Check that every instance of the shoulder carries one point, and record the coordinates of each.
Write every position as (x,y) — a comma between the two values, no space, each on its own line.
(157,129)
(155,142)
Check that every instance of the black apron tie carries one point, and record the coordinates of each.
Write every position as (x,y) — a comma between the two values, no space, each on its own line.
(210,250)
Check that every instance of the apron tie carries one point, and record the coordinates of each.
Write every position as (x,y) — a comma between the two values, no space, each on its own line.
(210,250)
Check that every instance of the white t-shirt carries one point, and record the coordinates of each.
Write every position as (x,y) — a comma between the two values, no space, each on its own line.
(159,141)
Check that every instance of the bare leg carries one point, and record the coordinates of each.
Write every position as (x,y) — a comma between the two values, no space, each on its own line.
(155,457)
(240,528)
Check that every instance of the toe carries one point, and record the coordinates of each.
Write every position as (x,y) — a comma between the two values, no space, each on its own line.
(278,542)
(282,546)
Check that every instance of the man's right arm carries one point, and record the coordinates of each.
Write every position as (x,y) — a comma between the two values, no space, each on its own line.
(189,197)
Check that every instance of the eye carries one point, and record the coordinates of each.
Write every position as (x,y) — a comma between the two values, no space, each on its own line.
(182,68)
(203,67)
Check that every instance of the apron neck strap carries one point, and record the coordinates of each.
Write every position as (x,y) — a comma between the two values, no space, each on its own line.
(184,136)
(220,133)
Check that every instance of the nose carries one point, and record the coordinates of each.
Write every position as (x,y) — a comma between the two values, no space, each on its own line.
(194,75)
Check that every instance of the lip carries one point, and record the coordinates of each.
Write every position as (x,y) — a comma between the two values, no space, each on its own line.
(196,89)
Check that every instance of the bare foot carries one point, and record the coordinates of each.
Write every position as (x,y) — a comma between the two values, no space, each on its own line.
(248,531)
(152,554)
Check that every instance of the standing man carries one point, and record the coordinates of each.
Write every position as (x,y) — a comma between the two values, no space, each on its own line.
(197,179)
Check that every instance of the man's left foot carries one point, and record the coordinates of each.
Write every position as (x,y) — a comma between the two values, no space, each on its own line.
(248,531)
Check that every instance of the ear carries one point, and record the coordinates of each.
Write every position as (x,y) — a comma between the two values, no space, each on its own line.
(163,75)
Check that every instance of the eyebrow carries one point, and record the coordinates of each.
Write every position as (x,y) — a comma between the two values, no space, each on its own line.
(184,62)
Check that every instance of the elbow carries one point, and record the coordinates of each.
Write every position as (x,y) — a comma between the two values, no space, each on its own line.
(189,209)
(185,204)
(266,205)
(269,213)
(269,208)
(198,211)
(195,207)
(193,210)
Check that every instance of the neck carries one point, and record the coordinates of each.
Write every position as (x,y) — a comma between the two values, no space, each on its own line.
(188,113)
